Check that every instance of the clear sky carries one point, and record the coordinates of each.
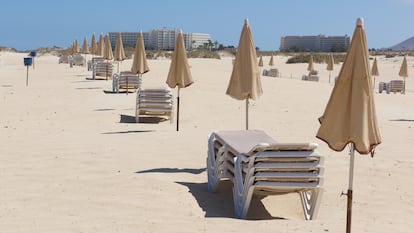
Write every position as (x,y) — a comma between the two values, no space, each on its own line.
(30,24)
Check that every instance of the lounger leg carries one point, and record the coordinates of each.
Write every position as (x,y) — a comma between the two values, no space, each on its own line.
(310,203)
(241,196)
(211,160)
(137,115)
(214,164)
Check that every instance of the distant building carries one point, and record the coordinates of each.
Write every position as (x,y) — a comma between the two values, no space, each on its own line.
(320,43)
(129,39)
(161,39)
(198,40)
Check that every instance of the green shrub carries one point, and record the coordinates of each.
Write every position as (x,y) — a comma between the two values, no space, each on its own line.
(317,58)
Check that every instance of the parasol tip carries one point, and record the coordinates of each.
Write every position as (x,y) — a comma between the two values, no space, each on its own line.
(246,21)
(360,22)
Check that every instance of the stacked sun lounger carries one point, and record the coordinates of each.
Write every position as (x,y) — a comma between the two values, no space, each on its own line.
(102,69)
(271,72)
(258,165)
(125,80)
(94,61)
(77,60)
(63,59)
(314,78)
(155,101)
(392,86)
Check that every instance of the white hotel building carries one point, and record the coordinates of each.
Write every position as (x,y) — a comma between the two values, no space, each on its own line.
(314,43)
(162,39)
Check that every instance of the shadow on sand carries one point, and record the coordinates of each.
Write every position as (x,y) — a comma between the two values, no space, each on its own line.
(220,203)
(403,120)
(129,131)
(174,170)
(142,120)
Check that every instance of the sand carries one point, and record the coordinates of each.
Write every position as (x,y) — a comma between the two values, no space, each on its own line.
(73,160)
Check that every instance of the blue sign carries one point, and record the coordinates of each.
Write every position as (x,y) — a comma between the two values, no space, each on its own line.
(28,61)
(33,53)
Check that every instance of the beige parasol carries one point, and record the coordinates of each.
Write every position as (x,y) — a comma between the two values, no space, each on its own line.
(330,65)
(139,64)
(260,64)
(85,49)
(94,47)
(179,74)
(101,46)
(245,80)
(107,55)
(350,116)
(119,51)
(271,62)
(374,70)
(404,70)
(75,47)
(310,64)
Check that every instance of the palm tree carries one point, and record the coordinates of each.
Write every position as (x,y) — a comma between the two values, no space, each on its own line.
(210,44)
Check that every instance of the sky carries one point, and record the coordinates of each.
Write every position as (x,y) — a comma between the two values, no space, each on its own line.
(31,24)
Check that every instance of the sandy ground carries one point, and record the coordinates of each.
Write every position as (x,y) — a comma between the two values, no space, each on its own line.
(72,159)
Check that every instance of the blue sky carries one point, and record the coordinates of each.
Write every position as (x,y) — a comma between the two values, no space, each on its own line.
(29,24)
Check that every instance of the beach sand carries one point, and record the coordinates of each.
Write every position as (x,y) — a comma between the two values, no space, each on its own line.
(73,160)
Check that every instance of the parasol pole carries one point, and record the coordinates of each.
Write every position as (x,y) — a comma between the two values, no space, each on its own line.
(178,106)
(247,113)
(404,84)
(106,69)
(350,187)
(126,83)
(329,76)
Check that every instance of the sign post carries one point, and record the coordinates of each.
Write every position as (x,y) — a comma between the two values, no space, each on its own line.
(27,62)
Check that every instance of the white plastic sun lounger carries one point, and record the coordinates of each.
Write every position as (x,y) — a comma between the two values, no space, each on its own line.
(125,80)
(155,101)
(257,164)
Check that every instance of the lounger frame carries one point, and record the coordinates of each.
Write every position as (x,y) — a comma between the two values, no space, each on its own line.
(269,168)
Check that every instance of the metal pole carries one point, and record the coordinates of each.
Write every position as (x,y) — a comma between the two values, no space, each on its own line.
(178,107)
(404,85)
(329,76)
(350,186)
(27,76)
(126,83)
(107,64)
(247,113)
